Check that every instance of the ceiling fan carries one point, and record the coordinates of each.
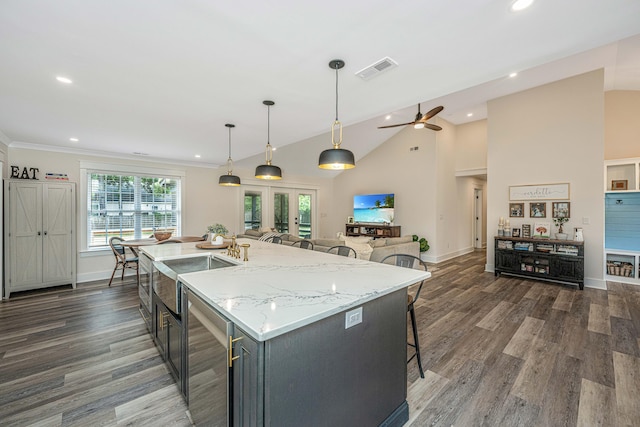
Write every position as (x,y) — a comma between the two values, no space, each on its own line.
(421,121)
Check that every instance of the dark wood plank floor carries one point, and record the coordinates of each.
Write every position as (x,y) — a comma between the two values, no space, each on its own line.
(496,351)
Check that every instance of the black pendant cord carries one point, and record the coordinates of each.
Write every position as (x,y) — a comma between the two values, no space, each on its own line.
(268,124)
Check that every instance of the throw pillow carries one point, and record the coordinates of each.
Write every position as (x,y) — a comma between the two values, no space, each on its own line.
(362,246)
(266,236)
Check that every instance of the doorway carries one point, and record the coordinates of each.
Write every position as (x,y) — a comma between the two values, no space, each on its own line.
(288,210)
(477,218)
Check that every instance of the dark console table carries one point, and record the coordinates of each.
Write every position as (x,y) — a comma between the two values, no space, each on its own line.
(544,259)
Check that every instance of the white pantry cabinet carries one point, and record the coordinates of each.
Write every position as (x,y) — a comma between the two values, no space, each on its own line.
(40,243)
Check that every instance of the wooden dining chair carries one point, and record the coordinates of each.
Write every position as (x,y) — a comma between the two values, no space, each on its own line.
(122,261)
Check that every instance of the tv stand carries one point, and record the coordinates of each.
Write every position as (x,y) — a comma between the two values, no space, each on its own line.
(372,230)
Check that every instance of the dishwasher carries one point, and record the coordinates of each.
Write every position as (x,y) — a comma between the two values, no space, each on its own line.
(209,375)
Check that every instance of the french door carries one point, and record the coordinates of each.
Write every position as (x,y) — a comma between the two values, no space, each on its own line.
(288,210)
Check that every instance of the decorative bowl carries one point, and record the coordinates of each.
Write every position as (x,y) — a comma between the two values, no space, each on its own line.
(162,235)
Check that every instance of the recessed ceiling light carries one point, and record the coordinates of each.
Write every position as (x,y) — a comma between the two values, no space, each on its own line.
(197,156)
(74,139)
(512,75)
(388,117)
(519,5)
(64,80)
(274,148)
(469,114)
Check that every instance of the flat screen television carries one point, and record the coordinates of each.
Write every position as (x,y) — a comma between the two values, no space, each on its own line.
(373,208)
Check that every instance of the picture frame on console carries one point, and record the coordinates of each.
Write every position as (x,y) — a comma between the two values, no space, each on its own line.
(516,210)
(526,230)
(350,220)
(537,210)
(561,210)
(515,232)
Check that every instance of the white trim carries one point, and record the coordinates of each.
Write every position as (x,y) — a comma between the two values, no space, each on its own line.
(472,172)
(132,169)
(97,153)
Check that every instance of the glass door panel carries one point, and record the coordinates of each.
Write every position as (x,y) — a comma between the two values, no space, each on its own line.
(252,209)
(303,220)
(281,211)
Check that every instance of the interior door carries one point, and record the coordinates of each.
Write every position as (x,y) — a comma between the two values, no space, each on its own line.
(25,200)
(56,229)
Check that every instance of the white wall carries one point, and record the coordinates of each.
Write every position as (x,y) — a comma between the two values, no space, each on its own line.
(394,168)
(551,134)
(205,202)
(622,127)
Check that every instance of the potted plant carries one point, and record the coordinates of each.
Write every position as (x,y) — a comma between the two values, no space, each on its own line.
(424,245)
(560,235)
(217,233)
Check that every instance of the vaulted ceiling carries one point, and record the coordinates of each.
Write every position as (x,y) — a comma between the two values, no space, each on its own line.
(158,79)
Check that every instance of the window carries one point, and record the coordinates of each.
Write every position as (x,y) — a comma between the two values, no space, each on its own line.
(130,206)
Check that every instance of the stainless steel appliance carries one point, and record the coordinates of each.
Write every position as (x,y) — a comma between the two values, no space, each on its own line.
(166,284)
(209,375)
(145,270)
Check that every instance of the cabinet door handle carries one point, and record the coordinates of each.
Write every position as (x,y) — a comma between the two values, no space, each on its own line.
(39,233)
(163,319)
(45,233)
(231,356)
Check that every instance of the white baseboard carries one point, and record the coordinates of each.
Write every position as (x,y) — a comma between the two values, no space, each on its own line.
(450,255)
(102,275)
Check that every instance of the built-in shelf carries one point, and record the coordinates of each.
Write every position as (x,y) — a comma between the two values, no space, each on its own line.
(622,175)
(622,230)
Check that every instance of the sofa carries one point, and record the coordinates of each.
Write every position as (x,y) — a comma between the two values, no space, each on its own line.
(366,248)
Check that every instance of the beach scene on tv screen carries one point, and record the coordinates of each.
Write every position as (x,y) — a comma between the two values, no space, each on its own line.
(373,208)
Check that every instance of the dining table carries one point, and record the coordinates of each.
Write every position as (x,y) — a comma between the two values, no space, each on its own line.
(134,244)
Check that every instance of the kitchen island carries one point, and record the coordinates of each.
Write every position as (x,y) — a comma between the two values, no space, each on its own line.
(313,339)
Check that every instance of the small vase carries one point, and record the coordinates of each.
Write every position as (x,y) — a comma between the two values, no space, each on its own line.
(562,236)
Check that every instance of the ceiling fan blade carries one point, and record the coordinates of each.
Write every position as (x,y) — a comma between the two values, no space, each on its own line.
(431,113)
(393,126)
(432,127)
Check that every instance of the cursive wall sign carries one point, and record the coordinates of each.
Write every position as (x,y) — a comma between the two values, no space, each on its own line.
(539,192)
(24,174)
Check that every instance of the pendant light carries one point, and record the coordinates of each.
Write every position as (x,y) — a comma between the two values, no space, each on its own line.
(336,158)
(229,180)
(268,171)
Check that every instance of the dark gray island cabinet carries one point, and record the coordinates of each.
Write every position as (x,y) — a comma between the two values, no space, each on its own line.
(317,344)
(321,374)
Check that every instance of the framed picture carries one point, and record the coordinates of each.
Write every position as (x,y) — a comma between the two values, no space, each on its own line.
(539,192)
(561,209)
(516,210)
(620,184)
(349,220)
(526,230)
(538,210)
(542,229)
(515,232)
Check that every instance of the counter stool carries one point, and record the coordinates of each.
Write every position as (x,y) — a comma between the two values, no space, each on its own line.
(410,261)
(304,244)
(343,251)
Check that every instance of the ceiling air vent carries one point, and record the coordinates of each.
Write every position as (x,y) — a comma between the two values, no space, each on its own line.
(375,69)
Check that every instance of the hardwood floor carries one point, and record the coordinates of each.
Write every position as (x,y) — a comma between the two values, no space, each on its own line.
(496,352)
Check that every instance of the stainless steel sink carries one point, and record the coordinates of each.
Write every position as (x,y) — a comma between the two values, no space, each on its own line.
(167,286)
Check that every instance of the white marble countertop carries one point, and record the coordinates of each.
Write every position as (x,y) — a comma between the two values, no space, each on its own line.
(176,250)
(283,288)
